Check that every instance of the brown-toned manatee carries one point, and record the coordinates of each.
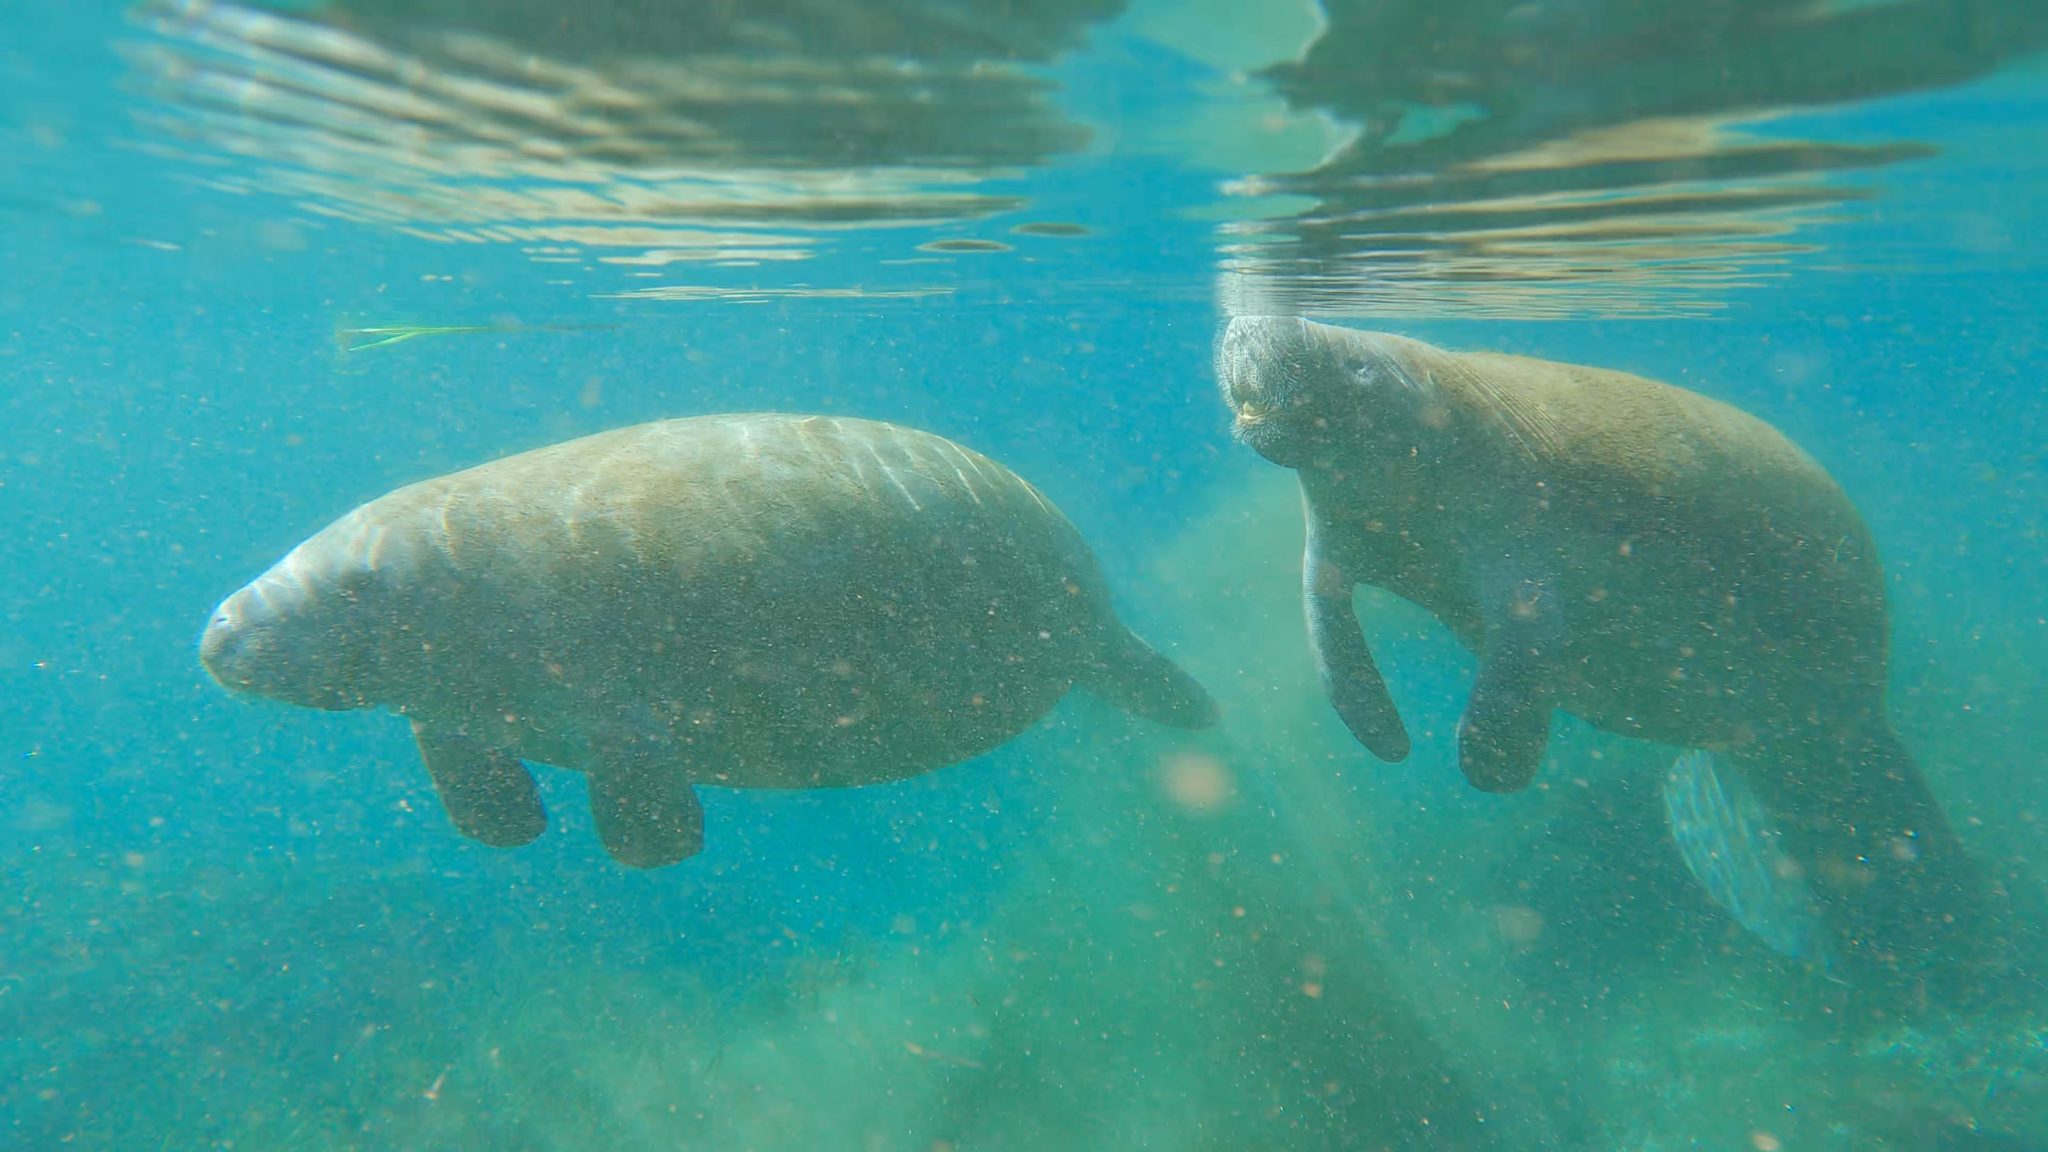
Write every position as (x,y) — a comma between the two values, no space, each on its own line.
(746,601)
(1655,562)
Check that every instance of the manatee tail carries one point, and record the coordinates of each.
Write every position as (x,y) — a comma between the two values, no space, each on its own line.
(1902,902)
(1131,675)
(1731,847)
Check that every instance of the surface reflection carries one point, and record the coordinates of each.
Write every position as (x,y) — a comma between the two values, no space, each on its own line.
(1543,158)
(642,136)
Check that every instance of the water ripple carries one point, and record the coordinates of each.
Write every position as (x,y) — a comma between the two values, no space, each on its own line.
(719,137)
(1569,157)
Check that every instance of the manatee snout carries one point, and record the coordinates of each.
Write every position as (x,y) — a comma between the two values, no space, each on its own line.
(1287,385)
(220,646)
(249,647)
(240,645)
(1251,376)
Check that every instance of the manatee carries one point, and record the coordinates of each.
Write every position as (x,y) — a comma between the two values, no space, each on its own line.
(1652,561)
(746,601)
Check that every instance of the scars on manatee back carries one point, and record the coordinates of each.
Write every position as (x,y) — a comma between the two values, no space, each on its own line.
(747,601)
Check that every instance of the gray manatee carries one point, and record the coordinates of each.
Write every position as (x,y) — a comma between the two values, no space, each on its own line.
(746,601)
(1652,561)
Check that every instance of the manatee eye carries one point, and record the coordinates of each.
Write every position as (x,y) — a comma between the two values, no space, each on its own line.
(1354,365)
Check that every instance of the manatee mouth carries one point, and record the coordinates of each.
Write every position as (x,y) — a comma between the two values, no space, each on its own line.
(1268,421)
(1259,425)
(1249,416)
(1251,404)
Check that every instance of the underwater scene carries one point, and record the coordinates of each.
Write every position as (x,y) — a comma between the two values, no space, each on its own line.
(955,575)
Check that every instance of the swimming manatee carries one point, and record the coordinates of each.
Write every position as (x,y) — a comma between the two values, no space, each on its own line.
(1652,561)
(747,601)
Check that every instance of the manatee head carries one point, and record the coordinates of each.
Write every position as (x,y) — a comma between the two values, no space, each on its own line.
(312,631)
(1302,392)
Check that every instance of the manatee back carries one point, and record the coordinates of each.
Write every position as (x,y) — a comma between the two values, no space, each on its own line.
(1627,434)
(1617,428)
(706,495)
(806,600)
(1714,571)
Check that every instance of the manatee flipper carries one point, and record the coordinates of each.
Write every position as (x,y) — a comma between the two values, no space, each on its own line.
(1135,678)
(647,815)
(1344,663)
(1506,723)
(487,792)
(1736,852)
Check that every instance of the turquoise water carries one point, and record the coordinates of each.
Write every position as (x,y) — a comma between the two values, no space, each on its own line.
(232,924)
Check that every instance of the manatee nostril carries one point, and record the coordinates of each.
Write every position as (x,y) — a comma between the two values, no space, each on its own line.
(215,641)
